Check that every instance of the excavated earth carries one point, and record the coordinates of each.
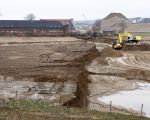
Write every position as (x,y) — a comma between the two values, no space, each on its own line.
(70,71)
(51,70)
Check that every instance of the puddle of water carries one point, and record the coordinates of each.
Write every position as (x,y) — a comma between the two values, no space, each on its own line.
(131,99)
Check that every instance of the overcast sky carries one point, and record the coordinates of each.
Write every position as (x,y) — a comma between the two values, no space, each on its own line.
(92,9)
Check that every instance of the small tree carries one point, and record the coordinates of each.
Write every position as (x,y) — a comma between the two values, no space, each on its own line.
(30,17)
(97,26)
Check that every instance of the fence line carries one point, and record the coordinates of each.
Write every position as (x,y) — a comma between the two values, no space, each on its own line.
(110,106)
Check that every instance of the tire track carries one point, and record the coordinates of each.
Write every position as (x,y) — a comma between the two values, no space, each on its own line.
(139,60)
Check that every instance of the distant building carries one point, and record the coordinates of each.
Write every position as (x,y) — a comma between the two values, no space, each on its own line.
(108,32)
(35,27)
(67,23)
(136,20)
(114,22)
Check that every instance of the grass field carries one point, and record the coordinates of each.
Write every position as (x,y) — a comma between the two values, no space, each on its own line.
(40,110)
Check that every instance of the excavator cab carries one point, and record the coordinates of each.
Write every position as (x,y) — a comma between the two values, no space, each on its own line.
(118,43)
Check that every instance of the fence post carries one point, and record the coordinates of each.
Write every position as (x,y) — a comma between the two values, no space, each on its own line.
(16,95)
(68,108)
(84,102)
(60,101)
(142,110)
(110,106)
(38,98)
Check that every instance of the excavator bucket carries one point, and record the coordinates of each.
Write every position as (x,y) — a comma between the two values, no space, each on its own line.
(136,47)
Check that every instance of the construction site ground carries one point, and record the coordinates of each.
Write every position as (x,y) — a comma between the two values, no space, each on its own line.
(116,70)
(69,71)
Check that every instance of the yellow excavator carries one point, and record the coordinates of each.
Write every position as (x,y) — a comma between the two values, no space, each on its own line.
(126,38)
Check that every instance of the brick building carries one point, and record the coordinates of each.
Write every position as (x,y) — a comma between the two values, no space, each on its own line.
(35,27)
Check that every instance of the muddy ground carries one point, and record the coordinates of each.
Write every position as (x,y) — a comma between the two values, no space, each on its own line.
(48,70)
(69,71)
(112,71)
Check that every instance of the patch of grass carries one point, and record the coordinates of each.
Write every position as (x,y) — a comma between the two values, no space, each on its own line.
(44,110)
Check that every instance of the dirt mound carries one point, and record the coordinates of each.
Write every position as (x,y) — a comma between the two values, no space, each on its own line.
(136,47)
(109,52)
(138,74)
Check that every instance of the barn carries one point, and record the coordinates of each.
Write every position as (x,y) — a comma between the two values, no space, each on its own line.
(114,22)
(33,28)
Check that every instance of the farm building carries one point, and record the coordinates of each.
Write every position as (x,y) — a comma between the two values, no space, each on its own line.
(34,28)
(114,22)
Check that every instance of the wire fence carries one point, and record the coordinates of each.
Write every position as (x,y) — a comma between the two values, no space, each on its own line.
(55,106)
(113,108)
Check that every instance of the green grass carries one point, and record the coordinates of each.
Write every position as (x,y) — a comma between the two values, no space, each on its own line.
(43,110)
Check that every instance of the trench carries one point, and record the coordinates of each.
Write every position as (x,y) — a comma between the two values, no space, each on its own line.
(82,92)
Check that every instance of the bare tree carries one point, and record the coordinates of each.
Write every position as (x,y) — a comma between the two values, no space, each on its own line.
(30,17)
(97,26)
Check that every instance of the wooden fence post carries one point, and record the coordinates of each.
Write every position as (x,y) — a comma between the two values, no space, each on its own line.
(110,106)
(16,95)
(84,102)
(38,98)
(60,101)
(142,110)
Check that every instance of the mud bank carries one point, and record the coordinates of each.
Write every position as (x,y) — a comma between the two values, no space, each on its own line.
(46,70)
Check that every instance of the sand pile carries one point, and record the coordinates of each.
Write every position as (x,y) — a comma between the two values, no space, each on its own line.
(109,52)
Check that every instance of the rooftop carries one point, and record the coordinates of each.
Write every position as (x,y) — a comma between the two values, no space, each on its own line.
(63,21)
(111,15)
(29,24)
